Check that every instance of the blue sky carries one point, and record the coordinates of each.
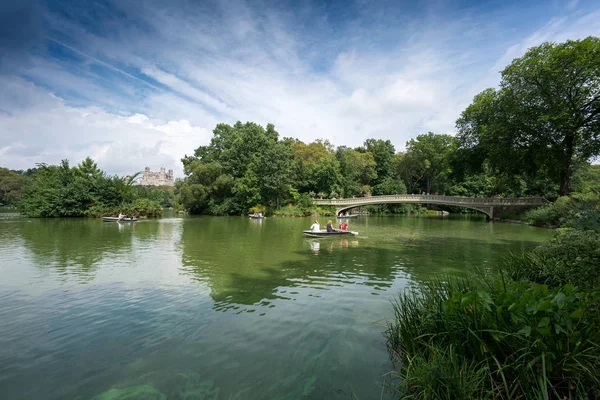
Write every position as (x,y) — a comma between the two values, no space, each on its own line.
(136,83)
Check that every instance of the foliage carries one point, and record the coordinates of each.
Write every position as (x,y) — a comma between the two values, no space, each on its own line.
(580,210)
(12,184)
(357,169)
(431,159)
(144,207)
(259,208)
(85,190)
(316,168)
(244,165)
(571,256)
(544,119)
(389,185)
(162,195)
(383,153)
(305,202)
(512,339)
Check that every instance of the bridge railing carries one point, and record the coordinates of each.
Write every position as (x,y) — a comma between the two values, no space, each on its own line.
(452,200)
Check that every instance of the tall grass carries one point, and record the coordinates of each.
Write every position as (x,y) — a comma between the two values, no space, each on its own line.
(466,339)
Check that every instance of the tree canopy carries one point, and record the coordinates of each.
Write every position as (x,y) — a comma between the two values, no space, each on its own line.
(85,190)
(544,118)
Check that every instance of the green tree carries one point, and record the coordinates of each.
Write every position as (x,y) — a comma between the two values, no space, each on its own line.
(84,190)
(383,153)
(428,159)
(206,189)
(545,118)
(357,170)
(244,165)
(12,184)
(89,168)
(317,168)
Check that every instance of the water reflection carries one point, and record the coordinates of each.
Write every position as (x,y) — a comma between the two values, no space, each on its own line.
(80,246)
(255,270)
(249,268)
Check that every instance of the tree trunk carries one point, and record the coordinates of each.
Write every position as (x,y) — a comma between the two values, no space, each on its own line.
(565,167)
(565,181)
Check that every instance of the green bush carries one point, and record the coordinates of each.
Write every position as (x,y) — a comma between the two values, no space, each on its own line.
(145,208)
(580,211)
(259,208)
(571,256)
(293,211)
(460,339)
(139,208)
(552,214)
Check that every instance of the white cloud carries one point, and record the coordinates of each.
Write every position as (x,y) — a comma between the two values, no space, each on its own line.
(48,130)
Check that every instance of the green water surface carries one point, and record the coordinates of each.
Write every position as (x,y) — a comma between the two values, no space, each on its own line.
(218,307)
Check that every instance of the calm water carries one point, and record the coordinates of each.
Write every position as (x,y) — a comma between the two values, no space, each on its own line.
(217,308)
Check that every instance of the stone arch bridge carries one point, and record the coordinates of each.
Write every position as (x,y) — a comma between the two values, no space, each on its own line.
(486,205)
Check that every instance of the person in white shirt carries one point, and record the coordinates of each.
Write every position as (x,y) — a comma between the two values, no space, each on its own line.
(315,227)
(121,216)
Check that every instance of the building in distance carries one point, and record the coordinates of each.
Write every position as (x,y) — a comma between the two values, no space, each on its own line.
(161,178)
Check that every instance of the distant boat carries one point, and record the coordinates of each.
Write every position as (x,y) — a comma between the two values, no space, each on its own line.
(252,216)
(116,219)
(322,234)
(347,216)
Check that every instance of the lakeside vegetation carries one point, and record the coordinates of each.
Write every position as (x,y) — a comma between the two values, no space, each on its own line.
(86,191)
(532,329)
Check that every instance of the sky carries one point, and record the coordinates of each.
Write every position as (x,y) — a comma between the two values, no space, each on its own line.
(143,83)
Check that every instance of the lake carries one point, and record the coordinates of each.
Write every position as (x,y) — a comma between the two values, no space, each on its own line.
(218,307)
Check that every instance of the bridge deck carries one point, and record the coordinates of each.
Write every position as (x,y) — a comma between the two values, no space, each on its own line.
(416,198)
(483,204)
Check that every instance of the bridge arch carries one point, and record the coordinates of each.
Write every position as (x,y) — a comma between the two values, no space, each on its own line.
(488,211)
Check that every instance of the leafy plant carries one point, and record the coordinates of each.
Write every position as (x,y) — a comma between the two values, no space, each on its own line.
(515,339)
(571,256)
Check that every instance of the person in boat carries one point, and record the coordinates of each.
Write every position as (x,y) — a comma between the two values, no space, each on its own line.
(341,226)
(330,226)
(315,227)
(121,215)
(260,215)
(345,226)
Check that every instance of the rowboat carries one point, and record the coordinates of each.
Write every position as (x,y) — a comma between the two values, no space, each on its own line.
(255,216)
(323,234)
(116,219)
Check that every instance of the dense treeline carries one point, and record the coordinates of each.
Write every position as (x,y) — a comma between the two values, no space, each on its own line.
(247,166)
(85,190)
